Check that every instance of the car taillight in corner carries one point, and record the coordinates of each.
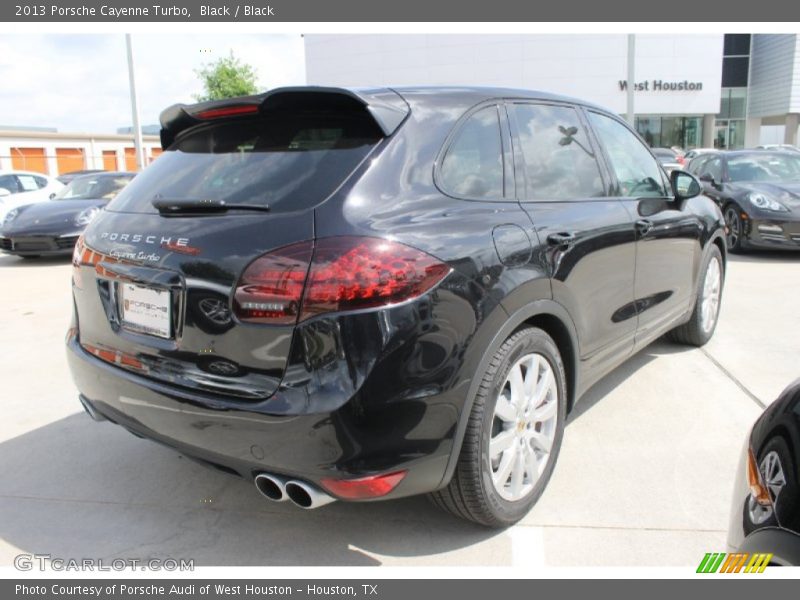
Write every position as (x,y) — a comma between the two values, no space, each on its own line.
(346,273)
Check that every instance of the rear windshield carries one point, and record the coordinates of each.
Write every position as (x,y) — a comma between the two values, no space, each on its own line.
(287,161)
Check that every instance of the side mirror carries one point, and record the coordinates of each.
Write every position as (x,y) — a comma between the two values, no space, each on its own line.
(4,192)
(684,185)
(53,195)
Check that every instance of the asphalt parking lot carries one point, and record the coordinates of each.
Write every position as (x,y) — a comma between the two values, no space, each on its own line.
(644,477)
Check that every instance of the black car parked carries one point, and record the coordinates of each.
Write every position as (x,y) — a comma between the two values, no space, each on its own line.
(759,193)
(52,228)
(766,502)
(363,294)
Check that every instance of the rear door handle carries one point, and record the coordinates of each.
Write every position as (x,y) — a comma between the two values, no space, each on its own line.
(643,226)
(563,239)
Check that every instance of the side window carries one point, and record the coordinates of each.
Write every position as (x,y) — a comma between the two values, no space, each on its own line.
(559,162)
(27,183)
(713,168)
(473,164)
(41,182)
(696,164)
(638,173)
(9,182)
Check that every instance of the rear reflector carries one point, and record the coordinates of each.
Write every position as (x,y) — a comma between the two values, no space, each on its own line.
(228,111)
(346,273)
(373,486)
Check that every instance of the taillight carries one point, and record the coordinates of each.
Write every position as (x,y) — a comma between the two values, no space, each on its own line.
(758,490)
(271,287)
(373,486)
(350,273)
(347,273)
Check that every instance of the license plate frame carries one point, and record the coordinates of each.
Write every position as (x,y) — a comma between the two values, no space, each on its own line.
(145,309)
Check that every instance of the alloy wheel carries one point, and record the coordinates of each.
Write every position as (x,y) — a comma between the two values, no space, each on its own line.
(734,223)
(523,427)
(712,291)
(775,480)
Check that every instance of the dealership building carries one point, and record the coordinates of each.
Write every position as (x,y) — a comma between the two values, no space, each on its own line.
(727,91)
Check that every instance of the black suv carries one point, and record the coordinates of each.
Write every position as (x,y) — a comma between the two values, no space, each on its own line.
(369,294)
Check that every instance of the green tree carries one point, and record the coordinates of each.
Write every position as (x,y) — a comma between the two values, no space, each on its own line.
(226,78)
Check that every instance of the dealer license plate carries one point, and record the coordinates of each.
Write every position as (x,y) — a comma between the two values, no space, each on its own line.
(146,310)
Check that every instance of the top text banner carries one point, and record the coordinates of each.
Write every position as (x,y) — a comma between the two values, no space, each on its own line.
(144,11)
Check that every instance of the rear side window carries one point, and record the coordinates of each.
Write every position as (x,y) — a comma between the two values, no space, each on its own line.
(473,164)
(287,161)
(639,175)
(559,161)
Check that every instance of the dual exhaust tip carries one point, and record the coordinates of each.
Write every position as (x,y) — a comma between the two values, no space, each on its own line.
(300,493)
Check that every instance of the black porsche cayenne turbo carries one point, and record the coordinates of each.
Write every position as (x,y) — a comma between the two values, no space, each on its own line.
(370,294)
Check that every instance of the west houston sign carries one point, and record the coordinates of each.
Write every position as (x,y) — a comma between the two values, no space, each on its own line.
(659,85)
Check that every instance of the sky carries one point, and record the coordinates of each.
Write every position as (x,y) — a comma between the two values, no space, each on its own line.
(79,83)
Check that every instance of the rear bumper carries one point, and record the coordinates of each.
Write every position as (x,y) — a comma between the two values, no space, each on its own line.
(343,443)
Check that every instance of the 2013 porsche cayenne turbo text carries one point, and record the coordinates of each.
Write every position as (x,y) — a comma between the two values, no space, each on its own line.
(370,294)
(154,10)
(52,10)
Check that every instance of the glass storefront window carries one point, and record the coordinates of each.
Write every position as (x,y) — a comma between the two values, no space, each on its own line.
(733,103)
(650,130)
(729,134)
(665,132)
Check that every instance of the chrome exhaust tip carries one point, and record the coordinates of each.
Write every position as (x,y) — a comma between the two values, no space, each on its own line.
(90,410)
(307,496)
(271,487)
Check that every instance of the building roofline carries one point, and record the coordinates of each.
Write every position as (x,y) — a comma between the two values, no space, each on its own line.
(59,135)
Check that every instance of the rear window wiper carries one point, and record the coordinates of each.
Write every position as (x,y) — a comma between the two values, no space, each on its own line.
(171,206)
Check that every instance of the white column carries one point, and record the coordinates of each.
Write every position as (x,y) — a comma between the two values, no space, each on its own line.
(790,134)
(5,156)
(708,131)
(752,132)
(52,163)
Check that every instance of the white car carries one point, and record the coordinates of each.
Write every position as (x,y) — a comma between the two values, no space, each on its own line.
(18,188)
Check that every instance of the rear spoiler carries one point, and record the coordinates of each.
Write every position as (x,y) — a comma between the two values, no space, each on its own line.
(386,107)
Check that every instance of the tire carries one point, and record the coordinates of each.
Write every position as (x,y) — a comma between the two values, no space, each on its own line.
(698,330)
(472,494)
(29,256)
(734,237)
